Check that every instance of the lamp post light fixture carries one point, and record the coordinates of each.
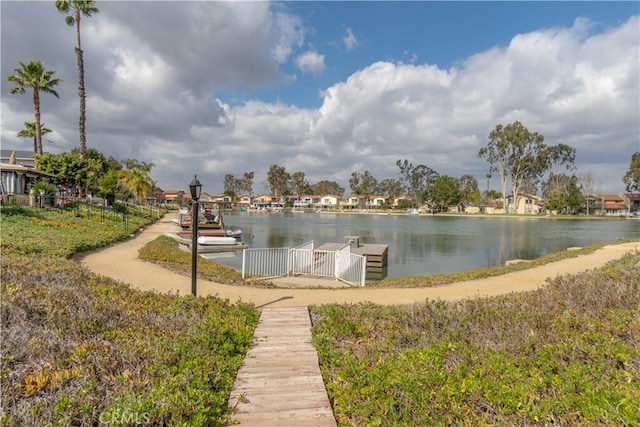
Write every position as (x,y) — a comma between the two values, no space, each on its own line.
(196,189)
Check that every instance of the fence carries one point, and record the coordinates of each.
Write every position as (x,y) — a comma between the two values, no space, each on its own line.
(304,260)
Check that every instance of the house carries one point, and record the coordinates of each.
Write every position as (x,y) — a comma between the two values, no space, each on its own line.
(175,196)
(354,201)
(18,179)
(263,201)
(376,202)
(397,200)
(527,205)
(329,201)
(632,200)
(616,204)
(307,201)
(244,201)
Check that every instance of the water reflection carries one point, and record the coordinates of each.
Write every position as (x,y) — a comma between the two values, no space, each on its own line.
(422,245)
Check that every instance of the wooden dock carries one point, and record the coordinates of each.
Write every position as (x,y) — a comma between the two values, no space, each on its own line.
(377,255)
(280,383)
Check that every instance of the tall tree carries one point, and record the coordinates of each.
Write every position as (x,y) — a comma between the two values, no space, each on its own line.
(632,178)
(278,179)
(468,185)
(327,187)
(246,183)
(75,9)
(33,75)
(299,183)
(416,181)
(29,131)
(135,177)
(445,193)
(521,156)
(363,183)
(588,186)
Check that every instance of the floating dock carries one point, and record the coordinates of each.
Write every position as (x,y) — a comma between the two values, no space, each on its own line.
(376,254)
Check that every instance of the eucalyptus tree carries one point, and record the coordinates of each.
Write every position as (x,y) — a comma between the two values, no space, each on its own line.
(245,184)
(29,131)
(278,179)
(36,77)
(299,183)
(468,186)
(631,179)
(363,184)
(327,187)
(75,10)
(416,181)
(521,156)
(390,187)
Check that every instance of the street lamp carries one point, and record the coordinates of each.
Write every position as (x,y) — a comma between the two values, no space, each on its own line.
(196,189)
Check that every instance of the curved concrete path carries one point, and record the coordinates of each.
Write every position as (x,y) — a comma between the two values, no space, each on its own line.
(120,262)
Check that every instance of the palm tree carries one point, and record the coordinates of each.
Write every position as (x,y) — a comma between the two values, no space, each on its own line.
(78,8)
(34,75)
(29,131)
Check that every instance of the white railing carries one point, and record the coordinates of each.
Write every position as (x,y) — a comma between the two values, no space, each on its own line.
(304,260)
(265,262)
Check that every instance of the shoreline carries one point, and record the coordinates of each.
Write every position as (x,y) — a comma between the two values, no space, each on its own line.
(121,262)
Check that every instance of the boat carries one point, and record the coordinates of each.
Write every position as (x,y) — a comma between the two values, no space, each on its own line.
(216,240)
(236,232)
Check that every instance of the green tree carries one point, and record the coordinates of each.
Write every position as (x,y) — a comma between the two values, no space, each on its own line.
(631,179)
(327,187)
(29,131)
(278,179)
(416,181)
(246,183)
(75,9)
(390,187)
(521,156)
(363,184)
(34,75)
(468,186)
(445,192)
(299,183)
(111,187)
(71,171)
(135,177)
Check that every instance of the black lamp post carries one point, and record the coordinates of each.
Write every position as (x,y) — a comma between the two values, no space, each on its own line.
(196,190)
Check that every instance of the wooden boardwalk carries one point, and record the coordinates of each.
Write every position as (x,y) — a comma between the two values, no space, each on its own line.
(280,383)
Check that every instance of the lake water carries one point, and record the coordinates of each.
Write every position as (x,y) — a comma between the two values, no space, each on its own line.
(424,245)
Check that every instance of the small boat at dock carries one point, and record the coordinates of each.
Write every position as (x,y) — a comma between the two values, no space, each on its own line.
(216,240)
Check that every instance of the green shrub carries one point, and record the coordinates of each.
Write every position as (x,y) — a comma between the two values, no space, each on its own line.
(567,354)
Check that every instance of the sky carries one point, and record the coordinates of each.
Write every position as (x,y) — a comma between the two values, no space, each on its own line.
(330,88)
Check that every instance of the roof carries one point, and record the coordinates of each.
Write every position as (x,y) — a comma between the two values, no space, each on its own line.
(6,167)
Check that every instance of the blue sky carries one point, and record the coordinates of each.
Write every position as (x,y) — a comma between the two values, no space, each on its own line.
(331,88)
(445,33)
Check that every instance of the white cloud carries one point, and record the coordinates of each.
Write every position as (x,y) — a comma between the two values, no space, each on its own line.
(350,40)
(310,62)
(154,77)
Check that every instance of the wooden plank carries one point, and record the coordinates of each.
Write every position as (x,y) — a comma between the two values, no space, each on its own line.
(280,383)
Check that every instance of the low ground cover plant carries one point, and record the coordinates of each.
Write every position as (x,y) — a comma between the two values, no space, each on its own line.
(165,252)
(80,349)
(567,354)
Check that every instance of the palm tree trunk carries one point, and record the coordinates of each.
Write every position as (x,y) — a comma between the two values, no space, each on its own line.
(36,110)
(81,91)
(83,111)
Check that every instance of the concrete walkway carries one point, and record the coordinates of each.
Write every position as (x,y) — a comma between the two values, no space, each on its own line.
(280,383)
